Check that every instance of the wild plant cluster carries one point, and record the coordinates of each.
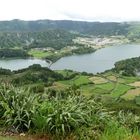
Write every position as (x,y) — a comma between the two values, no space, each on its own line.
(63,114)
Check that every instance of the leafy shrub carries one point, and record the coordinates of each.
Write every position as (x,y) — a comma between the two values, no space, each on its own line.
(5,71)
(36,74)
(114,131)
(37,88)
(64,113)
(137,100)
(61,115)
(19,105)
(128,120)
(8,53)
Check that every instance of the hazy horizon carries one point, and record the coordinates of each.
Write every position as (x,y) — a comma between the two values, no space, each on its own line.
(85,10)
(70,20)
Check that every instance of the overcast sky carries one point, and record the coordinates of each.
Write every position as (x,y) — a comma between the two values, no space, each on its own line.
(89,10)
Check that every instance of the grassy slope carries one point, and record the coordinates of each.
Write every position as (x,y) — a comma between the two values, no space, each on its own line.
(106,85)
(116,86)
(78,80)
(39,54)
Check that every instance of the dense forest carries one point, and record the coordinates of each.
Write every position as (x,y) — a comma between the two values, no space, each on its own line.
(59,34)
(50,38)
(55,34)
(128,67)
(10,53)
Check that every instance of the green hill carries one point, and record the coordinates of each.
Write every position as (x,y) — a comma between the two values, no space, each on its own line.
(92,28)
(34,74)
(50,38)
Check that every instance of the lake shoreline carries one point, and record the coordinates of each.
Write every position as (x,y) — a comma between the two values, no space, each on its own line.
(92,62)
(97,62)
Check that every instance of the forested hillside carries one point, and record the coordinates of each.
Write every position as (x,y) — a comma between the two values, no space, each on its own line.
(54,34)
(134,32)
(92,28)
(128,67)
(50,38)
(34,74)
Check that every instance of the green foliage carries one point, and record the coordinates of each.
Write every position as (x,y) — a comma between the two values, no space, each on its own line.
(35,74)
(18,106)
(37,88)
(123,125)
(93,90)
(119,90)
(107,86)
(53,38)
(128,67)
(57,114)
(128,120)
(39,53)
(9,53)
(134,32)
(5,72)
(82,50)
(61,116)
(137,100)
(114,131)
(8,138)
(55,34)
(68,114)
(77,80)
(68,74)
(129,79)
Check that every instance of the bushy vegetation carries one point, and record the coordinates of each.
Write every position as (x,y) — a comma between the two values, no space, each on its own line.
(35,74)
(63,114)
(57,114)
(128,67)
(17,105)
(10,53)
(82,50)
(5,72)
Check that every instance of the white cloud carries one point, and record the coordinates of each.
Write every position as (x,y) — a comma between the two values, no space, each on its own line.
(93,10)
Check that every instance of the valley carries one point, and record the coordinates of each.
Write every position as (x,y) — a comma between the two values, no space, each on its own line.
(69,80)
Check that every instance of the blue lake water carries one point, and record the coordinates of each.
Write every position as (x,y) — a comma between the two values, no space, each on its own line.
(99,61)
(15,64)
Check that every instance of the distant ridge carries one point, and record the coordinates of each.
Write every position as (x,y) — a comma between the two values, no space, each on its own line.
(83,27)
